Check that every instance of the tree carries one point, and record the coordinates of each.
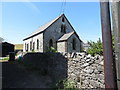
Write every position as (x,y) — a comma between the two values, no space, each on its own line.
(96,47)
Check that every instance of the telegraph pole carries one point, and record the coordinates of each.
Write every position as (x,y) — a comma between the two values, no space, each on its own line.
(109,74)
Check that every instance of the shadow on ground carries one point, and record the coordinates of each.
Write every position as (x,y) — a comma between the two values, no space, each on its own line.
(35,70)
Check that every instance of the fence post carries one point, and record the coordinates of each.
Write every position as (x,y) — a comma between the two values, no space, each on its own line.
(11,56)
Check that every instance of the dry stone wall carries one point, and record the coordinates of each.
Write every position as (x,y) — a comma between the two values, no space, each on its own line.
(85,70)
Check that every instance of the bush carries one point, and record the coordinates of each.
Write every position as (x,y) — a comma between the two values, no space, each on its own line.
(65,84)
(52,49)
(96,48)
(6,58)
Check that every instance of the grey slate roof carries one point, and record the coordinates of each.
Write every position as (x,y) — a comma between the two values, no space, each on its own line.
(43,28)
(66,36)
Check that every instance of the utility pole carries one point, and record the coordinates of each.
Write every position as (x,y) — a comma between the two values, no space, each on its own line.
(109,74)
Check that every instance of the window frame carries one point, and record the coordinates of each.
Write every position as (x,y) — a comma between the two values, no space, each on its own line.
(74,44)
(37,44)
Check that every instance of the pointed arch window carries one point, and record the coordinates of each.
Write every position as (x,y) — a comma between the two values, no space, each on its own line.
(25,47)
(63,28)
(50,43)
(30,45)
(34,46)
(37,44)
(74,44)
(63,20)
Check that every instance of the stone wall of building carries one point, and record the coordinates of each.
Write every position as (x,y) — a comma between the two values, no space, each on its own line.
(61,46)
(77,44)
(85,71)
(34,40)
(54,32)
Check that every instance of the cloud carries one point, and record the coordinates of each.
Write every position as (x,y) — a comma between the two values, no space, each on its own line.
(31,5)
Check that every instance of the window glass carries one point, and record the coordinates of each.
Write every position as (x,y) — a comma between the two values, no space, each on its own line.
(37,44)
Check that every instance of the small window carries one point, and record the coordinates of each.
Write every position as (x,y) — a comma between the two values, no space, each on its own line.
(63,28)
(30,45)
(37,44)
(33,46)
(74,44)
(50,43)
(27,47)
(63,20)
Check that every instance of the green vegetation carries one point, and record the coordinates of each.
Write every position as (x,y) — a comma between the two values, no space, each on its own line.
(96,48)
(66,85)
(16,54)
(52,49)
(69,84)
(33,51)
(113,42)
(6,58)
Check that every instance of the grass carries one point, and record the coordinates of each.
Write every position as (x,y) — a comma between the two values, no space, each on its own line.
(5,58)
(66,85)
(18,46)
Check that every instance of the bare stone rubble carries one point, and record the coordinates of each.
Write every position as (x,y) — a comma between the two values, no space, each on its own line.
(85,70)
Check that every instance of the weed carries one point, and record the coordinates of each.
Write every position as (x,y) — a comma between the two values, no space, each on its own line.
(5,58)
(65,84)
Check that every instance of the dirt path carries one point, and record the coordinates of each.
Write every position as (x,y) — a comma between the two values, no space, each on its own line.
(14,75)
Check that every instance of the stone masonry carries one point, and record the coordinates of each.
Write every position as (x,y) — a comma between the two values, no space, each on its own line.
(85,71)
(57,33)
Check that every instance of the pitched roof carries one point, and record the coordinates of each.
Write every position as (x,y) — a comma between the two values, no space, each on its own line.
(7,43)
(43,28)
(66,36)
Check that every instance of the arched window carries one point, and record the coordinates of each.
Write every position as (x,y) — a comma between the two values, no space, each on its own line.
(50,43)
(34,46)
(25,47)
(30,45)
(63,20)
(74,44)
(63,28)
(37,44)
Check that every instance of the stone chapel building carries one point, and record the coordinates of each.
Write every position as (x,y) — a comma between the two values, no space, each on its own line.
(58,33)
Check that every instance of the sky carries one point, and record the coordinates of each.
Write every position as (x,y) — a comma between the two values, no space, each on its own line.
(20,19)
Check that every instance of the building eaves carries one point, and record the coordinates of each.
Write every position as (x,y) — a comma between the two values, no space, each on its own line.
(66,36)
(43,28)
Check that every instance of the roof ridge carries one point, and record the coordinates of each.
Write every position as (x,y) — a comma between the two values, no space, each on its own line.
(44,27)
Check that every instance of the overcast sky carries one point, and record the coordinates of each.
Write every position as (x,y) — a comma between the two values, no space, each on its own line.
(21,19)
